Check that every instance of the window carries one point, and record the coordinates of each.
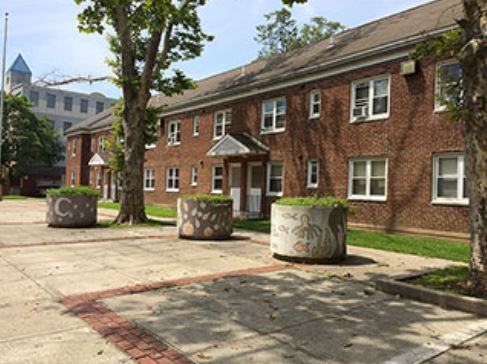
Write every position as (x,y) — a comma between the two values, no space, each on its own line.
(449,184)
(51,101)
(149,179)
(194,176)
(313,173)
(368,179)
(174,133)
(275,178)
(98,179)
(273,116)
(83,106)
(217,179)
(448,75)
(196,126)
(172,179)
(100,106)
(68,103)
(34,97)
(314,104)
(222,123)
(73,147)
(101,144)
(370,99)
(66,126)
(72,179)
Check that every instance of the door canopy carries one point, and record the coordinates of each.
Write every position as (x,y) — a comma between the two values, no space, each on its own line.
(235,144)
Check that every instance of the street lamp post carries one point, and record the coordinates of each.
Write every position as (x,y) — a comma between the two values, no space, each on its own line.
(2,99)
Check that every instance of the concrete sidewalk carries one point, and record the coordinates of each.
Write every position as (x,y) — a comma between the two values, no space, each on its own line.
(227,302)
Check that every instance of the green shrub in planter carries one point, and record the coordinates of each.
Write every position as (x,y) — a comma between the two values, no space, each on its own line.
(205,217)
(72,207)
(309,228)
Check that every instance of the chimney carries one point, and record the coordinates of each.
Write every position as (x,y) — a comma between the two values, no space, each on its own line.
(332,41)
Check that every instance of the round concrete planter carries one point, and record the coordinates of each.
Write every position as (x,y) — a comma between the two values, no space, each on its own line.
(308,234)
(204,220)
(78,211)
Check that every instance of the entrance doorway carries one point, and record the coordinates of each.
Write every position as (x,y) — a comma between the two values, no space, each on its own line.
(255,175)
(235,182)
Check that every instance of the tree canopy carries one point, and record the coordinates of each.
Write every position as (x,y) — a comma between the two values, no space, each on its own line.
(281,33)
(27,139)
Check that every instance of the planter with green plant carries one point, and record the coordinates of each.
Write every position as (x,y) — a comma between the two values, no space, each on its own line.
(205,217)
(309,229)
(73,207)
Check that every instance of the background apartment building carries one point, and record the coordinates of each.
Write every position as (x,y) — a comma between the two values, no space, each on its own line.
(63,108)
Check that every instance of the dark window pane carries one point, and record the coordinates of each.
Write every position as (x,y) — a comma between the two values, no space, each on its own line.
(378,187)
(276,185)
(447,188)
(359,186)
(380,105)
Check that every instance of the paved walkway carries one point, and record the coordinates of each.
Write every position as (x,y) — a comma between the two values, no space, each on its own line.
(140,294)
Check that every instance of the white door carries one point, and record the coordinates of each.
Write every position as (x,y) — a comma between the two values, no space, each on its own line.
(105,185)
(235,185)
(254,189)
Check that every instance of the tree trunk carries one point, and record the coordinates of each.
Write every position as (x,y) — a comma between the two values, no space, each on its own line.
(132,209)
(473,58)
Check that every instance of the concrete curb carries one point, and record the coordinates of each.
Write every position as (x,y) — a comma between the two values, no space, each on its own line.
(446,300)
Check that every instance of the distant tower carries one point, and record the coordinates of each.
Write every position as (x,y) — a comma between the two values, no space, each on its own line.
(18,73)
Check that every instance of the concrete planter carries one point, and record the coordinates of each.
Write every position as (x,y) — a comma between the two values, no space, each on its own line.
(309,234)
(204,220)
(77,211)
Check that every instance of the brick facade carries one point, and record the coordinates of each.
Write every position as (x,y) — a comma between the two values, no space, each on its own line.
(408,138)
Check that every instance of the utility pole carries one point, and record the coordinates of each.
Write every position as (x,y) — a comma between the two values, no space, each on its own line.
(2,99)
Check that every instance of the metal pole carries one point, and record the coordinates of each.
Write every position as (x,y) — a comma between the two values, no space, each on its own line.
(2,97)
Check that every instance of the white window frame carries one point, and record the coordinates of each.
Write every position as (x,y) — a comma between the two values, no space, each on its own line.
(194,176)
(439,107)
(370,105)
(173,140)
(273,129)
(149,176)
(174,176)
(312,103)
(268,179)
(196,125)
(74,144)
(214,178)
(368,176)
(101,144)
(72,179)
(460,176)
(313,163)
(225,122)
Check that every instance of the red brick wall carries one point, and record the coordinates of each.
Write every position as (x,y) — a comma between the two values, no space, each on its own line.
(408,138)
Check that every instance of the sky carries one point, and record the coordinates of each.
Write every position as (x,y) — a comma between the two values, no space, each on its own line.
(45,33)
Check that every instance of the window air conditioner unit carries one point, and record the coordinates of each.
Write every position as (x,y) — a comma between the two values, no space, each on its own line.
(361,112)
(408,68)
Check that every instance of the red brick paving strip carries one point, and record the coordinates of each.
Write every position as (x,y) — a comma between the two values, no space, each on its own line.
(87,241)
(139,344)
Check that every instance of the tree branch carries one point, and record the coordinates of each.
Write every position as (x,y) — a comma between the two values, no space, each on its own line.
(89,79)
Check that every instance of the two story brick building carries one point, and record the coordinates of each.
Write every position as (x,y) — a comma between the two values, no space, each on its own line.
(350,116)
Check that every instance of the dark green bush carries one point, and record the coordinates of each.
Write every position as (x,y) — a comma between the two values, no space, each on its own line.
(73,191)
(207,198)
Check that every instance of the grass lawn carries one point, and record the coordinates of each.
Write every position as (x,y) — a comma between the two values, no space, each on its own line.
(149,209)
(15,197)
(432,248)
(452,280)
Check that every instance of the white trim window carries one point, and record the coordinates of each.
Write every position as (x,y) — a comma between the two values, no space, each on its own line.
(172,179)
(174,132)
(273,116)
(370,99)
(313,173)
(149,179)
(449,183)
(73,147)
(196,126)
(314,104)
(217,179)
(72,179)
(275,179)
(101,144)
(367,179)
(98,179)
(194,176)
(448,76)
(222,123)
